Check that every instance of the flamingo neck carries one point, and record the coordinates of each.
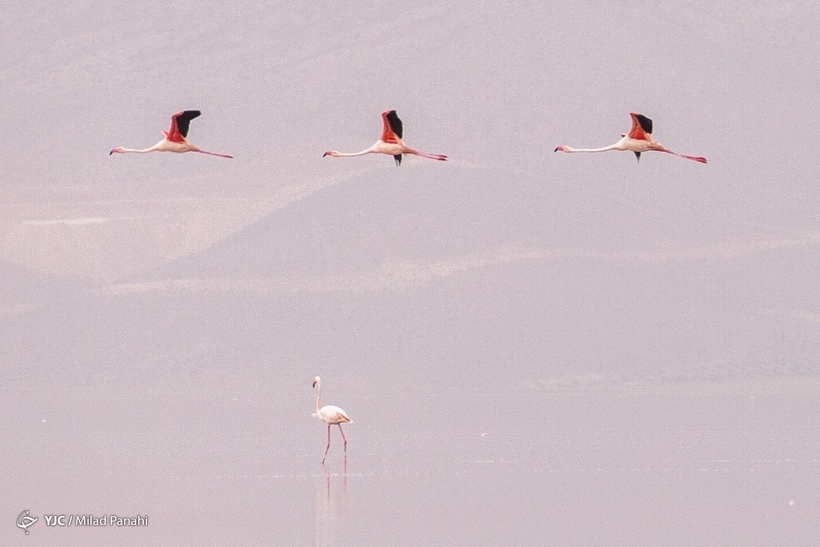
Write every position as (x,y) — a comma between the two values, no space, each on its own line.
(318,398)
(604,149)
(351,154)
(135,151)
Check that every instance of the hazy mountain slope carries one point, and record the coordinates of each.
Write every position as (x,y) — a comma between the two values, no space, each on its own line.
(483,276)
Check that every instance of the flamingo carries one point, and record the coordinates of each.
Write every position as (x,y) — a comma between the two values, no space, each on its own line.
(174,140)
(639,139)
(390,143)
(331,415)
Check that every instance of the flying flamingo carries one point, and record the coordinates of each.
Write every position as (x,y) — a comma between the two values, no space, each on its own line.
(639,139)
(174,140)
(330,415)
(390,143)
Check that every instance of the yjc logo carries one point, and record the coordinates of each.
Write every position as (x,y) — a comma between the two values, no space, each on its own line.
(24,521)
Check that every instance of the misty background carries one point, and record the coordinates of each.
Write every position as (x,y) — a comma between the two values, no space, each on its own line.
(137,289)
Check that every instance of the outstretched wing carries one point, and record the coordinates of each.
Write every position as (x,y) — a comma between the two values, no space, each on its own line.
(392,126)
(180,122)
(641,127)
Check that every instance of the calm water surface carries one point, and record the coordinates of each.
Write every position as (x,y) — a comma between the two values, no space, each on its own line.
(679,464)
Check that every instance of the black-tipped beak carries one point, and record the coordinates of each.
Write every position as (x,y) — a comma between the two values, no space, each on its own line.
(556,149)
(110,152)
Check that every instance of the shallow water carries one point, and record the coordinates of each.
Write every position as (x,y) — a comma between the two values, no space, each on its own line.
(677,464)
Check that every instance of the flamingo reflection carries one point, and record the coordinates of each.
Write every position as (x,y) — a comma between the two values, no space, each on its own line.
(331,508)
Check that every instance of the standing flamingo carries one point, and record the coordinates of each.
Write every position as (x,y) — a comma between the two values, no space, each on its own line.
(639,139)
(174,140)
(390,143)
(330,415)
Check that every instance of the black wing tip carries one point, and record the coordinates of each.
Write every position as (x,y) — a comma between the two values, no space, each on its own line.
(646,123)
(184,120)
(395,123)
(397,157)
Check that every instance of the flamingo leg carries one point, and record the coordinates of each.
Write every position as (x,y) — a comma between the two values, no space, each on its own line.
(343,437)
(213,153)
(328,444)
(439,157)
(698,159)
